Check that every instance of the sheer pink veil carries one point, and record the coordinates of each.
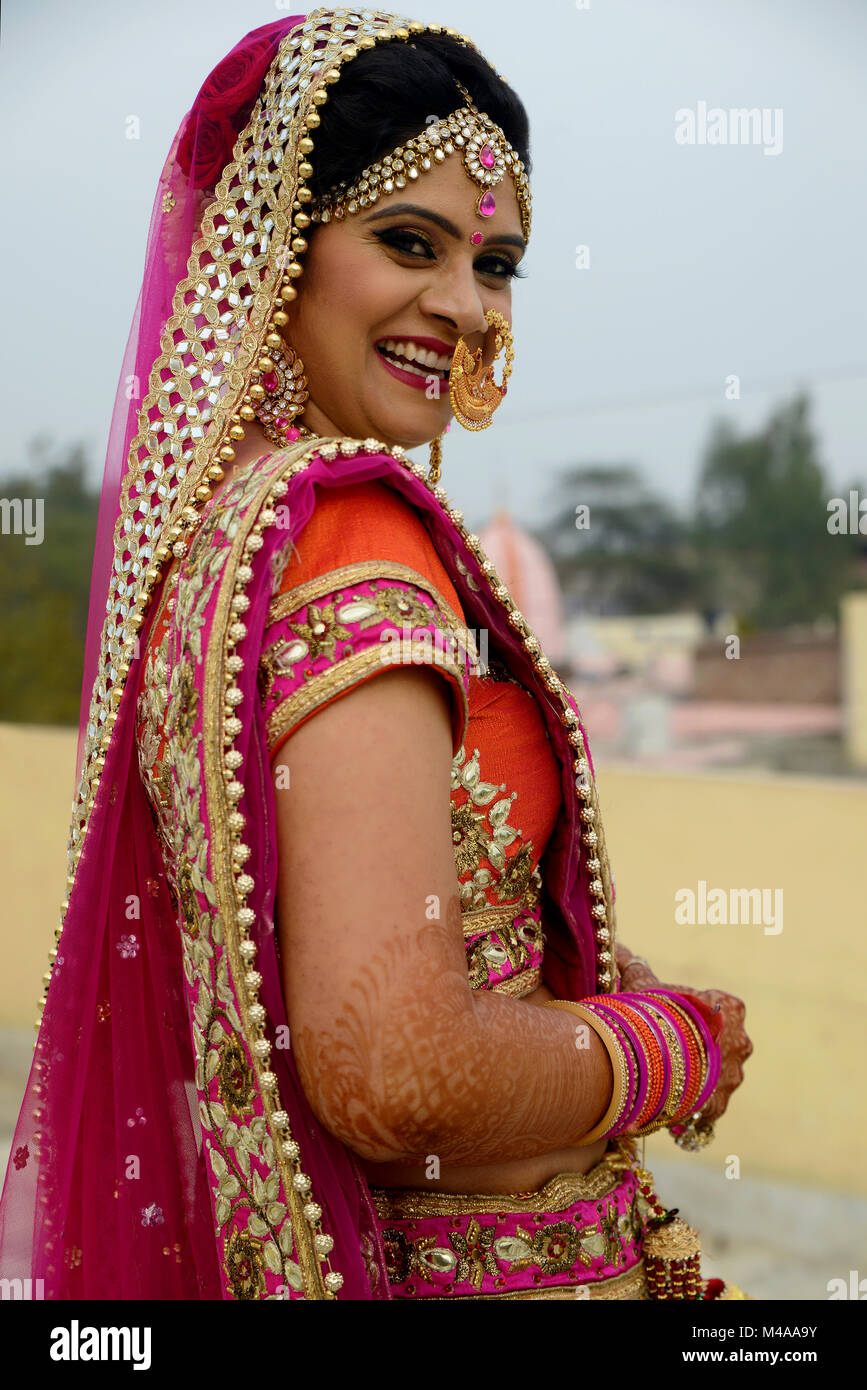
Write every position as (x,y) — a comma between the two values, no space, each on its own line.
(199,151)
(106,1193)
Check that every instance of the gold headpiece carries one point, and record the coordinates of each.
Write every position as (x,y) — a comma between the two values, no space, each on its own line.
(486,153)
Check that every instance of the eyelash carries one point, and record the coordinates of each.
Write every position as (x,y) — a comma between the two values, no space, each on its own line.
(391,236)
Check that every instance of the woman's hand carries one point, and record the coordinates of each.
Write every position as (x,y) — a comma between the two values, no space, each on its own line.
(636,976)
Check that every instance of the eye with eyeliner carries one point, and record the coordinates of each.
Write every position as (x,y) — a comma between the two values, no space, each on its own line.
(394,236)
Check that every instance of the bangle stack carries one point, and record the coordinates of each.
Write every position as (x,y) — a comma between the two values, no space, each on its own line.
(663,1055)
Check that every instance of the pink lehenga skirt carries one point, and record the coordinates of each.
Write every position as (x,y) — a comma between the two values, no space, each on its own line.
(578,1236)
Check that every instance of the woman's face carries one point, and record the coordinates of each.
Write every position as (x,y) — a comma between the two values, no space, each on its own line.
(388,274)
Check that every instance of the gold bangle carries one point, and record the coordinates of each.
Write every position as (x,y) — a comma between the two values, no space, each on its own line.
(610,1042)
(689,1023)
(677,1082)
(677,1086)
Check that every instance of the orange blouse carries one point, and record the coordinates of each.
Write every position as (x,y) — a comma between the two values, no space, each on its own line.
(362,592)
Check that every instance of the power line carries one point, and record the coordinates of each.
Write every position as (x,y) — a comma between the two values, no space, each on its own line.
(618,403)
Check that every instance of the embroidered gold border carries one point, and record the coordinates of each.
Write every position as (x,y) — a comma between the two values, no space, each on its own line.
(556,1195)
(343,578)
(518,986)
(631,1284)
(348,671)
(216,678)
(488,919)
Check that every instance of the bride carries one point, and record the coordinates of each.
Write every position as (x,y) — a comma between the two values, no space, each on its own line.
(337,1009)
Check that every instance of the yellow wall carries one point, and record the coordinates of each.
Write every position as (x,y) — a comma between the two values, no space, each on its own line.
(38,769)
(853,615)
(799,1113)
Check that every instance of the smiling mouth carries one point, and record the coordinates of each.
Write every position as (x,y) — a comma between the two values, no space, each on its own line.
(422,362)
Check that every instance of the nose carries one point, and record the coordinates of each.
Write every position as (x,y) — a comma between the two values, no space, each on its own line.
(453,298)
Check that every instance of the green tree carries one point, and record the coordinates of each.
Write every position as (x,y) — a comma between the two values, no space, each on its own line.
(761,525)
(44,590)
(616,545)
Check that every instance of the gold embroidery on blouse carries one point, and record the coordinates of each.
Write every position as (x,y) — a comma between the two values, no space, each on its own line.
(485,835)
(490,919)
(323,626)
(519,986)
(486,956)
(347,672)
(320,633)
(343,578)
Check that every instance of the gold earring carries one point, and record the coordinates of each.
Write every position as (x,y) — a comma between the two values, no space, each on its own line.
(279,395)
(475,395)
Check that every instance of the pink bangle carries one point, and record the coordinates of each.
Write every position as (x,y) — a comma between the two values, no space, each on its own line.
(712,1050)
(657,1052)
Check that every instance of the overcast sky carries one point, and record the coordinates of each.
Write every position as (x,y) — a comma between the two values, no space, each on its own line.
(705,260)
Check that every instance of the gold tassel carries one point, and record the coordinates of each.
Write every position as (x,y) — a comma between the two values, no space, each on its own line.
(672,1260)
(436,460)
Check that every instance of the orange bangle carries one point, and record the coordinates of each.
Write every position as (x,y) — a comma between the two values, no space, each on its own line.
(676,1049)
(698,1057)
(653,1057)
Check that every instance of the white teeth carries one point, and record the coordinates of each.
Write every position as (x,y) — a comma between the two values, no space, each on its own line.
(416,371)
(426,357)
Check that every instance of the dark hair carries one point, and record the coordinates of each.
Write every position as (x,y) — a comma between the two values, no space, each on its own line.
(385,94)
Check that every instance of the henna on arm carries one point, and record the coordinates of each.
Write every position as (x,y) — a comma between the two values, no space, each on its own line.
(398,1056)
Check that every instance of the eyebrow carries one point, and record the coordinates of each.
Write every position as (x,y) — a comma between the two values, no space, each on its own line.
(503,239)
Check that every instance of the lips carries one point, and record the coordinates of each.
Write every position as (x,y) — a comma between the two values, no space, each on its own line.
(412,373)
(430,354)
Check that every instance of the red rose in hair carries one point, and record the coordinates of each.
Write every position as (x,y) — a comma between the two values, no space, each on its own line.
(236,81)
(213,141)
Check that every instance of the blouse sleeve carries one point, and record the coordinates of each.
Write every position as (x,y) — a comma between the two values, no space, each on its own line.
(364,593)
